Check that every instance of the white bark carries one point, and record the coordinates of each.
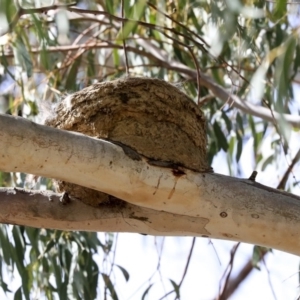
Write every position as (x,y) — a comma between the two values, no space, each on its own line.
(44,210)
(199,204)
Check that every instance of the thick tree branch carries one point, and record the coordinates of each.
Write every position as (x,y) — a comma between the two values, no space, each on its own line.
(221,206)
(45,210)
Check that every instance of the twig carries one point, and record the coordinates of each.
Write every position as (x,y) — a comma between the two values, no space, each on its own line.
(198,74)
(206,99)
(269,278)
(222,295)
(123,39)
(184,272)
(234,283)
(188,261)
(178,23)
(68,59)
(25,11)
(159,253)
(159,56)
(289,170)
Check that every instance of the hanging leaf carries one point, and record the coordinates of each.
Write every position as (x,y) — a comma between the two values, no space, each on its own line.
(222,141)
(125,273)
(110,286)
(239,147)
(279,9)
(176,288)
(146,291)
(71,80)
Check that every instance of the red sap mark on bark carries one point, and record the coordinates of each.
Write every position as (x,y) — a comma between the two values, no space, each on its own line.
(173,189)
(177,172)
(158,183)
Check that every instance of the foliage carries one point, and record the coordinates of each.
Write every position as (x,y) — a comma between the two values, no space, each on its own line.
(250,48)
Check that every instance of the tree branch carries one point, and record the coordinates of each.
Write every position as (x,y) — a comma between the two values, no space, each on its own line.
(162,59)
(218,90)
(218,206)
(43,209)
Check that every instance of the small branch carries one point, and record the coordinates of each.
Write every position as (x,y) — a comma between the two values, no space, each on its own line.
(222,295)
(206,81)
(234,283)
(123,39)
(179,24)
(219,91)
(283,181)
(187,262)
(184,272)
(269,279)
(198,75)
(26,11)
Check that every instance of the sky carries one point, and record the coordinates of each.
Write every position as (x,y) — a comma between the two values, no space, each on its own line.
(139,255)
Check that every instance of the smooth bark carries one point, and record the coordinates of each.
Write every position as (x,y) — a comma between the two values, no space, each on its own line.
(216,206)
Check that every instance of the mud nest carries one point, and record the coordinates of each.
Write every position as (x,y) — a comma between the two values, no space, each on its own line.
(151,116)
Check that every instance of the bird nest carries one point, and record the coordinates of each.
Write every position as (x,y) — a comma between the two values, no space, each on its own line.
(151,116)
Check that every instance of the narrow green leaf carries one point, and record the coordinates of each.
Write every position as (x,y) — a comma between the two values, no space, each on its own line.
(26,286)
(5,246)
(267,162)
(109,4)
(131,26)
(49,246)
(227,121)
(127,9)
(231,144)
(18,294)
(240,123)
(22,56)
(297,59)
(116,57)
(213,149)
(256,257)
(254,134)
(147,291)
(4,286)
(71,81)
(110,286)
(62,289)
(125,273)
(91,70)
(19,243)
(280,9)
(258,252)
(222,141)
(218,76)
(239,146)
(195,21)
(57,272)
(283,74)
(176,288)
